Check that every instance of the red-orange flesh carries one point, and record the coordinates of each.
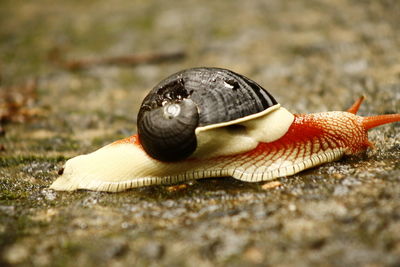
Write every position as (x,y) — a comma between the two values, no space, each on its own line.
(309,134)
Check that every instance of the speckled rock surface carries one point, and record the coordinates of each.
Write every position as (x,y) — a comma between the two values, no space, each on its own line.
(311,55)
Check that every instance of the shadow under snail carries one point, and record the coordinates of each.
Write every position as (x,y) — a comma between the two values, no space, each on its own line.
(211,122)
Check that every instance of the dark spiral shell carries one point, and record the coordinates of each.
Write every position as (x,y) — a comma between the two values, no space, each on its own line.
(193,98)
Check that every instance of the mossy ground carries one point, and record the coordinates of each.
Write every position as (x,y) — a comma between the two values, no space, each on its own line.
(311,55)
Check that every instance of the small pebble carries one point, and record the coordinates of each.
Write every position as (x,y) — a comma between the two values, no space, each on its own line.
(174,188)
(271,185)
(254,255)
(338,176)
(153,250)
(16,254)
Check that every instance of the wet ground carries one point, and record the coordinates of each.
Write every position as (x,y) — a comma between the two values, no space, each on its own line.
(311,55)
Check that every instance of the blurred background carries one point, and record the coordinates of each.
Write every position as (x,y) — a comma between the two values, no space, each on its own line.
(73,75)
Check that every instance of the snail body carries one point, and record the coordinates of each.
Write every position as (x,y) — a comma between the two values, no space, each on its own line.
(210,122)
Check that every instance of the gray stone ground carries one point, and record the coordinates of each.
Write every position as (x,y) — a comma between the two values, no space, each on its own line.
(312,55)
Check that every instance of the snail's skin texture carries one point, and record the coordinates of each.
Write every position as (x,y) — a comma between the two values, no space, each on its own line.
(260,146)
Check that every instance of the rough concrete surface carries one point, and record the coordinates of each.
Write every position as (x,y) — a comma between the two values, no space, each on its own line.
(311,55)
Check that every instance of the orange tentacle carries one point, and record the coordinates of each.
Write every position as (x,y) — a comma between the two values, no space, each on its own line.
(354,108)
(374,121)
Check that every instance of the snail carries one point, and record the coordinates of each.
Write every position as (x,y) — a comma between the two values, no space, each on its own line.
(212,122)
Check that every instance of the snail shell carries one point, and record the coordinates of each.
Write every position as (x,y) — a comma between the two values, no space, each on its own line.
(173,112)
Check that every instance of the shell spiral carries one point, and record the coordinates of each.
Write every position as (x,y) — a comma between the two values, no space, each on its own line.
(171,112)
